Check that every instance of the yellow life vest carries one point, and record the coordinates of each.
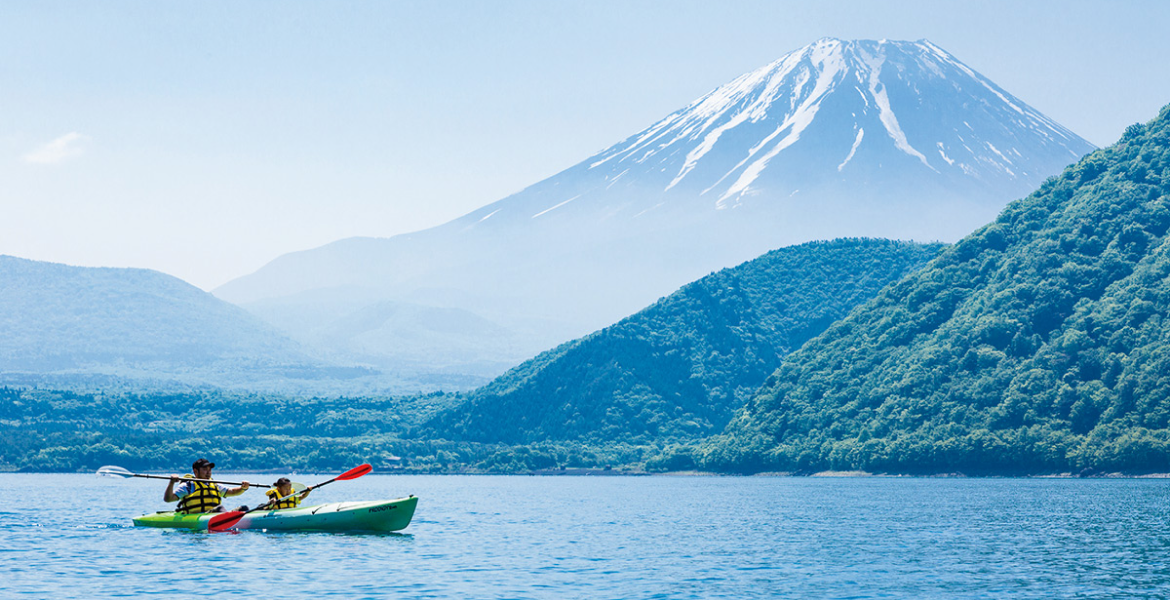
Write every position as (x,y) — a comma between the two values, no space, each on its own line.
(204,497)
(290,502)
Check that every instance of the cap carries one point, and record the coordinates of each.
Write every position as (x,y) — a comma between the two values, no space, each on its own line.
(203,462)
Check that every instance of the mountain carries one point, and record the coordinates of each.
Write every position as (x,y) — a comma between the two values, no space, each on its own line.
(678,369)
(837,139)
(1038,344)
(64,324)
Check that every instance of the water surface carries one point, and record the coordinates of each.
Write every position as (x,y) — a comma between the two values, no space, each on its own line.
(70,536)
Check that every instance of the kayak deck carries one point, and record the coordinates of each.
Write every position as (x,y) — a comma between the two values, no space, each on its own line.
(375,515)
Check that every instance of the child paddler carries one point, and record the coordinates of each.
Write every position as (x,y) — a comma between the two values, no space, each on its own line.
(280,489)
(200,496)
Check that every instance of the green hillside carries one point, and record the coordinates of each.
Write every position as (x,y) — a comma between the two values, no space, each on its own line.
(107,328)
(53,431)
(1040,343)
(677,370)
(56,317)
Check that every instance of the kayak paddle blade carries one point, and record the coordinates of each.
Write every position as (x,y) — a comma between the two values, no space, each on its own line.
(225,521)
(354,473)
(112,471)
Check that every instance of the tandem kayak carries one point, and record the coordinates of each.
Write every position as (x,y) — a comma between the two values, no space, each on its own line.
(376,515)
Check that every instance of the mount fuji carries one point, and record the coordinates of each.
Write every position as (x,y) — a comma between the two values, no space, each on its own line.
(837,139)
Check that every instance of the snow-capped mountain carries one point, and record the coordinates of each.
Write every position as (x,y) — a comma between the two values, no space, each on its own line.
(839,138)
(838,112)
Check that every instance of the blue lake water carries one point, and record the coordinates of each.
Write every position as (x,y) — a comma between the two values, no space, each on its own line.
(70,536)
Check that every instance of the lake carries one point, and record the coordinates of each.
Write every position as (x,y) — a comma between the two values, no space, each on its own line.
(70,536)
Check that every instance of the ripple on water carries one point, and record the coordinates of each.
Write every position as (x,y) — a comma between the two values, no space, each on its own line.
(646,537)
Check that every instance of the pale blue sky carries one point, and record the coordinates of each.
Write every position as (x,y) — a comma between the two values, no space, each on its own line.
(205,139)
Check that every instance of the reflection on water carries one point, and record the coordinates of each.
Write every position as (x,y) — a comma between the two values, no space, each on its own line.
(69,536)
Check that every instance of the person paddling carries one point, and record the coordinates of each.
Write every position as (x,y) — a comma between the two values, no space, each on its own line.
(283,489)
(200,496)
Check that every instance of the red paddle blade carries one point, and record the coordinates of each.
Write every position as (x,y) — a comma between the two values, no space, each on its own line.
(355,472)
(224,521)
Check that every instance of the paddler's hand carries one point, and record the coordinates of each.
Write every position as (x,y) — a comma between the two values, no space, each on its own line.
(244,486)
(169,493)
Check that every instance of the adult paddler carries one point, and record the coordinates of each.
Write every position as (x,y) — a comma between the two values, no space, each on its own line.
(200,496)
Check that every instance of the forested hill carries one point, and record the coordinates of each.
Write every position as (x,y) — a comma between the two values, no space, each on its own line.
(678,369)
(138,329)
(1040,343)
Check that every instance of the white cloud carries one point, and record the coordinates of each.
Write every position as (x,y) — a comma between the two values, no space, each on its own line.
(70,145)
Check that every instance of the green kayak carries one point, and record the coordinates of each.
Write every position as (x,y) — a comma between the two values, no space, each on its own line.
(376,515)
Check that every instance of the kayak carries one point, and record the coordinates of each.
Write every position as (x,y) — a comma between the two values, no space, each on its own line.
(375,515)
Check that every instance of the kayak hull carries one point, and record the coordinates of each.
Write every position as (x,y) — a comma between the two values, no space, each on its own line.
(376,515)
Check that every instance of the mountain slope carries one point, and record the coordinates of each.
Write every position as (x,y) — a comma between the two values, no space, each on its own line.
(678,369)
(134,324)
(1036,344)
(840,138)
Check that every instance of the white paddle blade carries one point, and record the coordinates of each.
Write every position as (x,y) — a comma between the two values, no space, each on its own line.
(112,471)
(298,486)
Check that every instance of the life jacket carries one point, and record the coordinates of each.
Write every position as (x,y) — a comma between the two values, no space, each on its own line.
(291,502)
(204,497)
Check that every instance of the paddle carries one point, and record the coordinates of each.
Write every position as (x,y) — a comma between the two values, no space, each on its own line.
(227,520)
(112,471)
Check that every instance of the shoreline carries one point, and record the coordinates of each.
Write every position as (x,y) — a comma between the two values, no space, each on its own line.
(602,472)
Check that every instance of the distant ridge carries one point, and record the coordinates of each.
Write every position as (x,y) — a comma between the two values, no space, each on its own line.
(134,327)
(837,139)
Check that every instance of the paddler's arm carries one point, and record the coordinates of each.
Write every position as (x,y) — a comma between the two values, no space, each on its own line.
(236,491)
(169,494)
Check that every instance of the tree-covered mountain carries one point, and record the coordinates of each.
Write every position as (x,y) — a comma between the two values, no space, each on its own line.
(678,369)
(61,324)
(1040,343)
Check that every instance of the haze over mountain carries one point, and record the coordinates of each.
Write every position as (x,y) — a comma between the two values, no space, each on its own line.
(840,138)
(77,325)
(677,370)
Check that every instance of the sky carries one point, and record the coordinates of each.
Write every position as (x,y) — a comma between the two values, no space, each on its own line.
(206,139)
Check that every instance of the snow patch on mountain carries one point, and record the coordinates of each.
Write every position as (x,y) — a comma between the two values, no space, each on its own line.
(552,208)
(828,65)
(889,120)
(853,149)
